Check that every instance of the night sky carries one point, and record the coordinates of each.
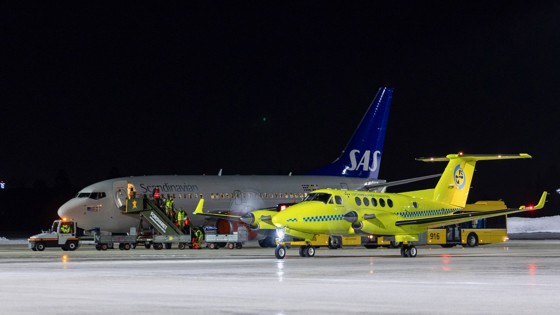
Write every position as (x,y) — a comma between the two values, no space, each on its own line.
(260,87)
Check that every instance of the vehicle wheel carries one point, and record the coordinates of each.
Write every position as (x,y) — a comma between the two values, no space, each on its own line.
(72,246)
(181,246)
(212,246)
(334,242)
(230,245)
(238,245)
(280,252)
(158,246)
(97,246)
(104,246)
(126,246)
(412,251)
(302,251)
(310,251)
(40,246)
(472,240)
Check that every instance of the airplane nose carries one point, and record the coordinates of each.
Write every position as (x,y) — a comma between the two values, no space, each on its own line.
(69,210)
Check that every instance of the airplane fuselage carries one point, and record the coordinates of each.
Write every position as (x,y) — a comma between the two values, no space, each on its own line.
(99,206)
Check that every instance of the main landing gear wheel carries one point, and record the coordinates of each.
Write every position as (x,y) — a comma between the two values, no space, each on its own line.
(409,251)
(307,251)
(280,252)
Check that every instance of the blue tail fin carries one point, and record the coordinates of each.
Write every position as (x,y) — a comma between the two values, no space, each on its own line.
(362,156)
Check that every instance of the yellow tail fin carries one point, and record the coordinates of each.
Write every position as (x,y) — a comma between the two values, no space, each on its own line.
(455,182)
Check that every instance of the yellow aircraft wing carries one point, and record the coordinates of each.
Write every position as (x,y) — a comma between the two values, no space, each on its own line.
(199,211)
(469,216)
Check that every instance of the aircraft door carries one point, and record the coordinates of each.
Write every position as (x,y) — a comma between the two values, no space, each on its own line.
(120,192)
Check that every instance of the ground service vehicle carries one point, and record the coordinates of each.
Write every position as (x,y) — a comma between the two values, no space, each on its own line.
(479,232)
(62,234)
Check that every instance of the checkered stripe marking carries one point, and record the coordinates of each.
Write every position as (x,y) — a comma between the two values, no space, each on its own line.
(324,218)
(427,213)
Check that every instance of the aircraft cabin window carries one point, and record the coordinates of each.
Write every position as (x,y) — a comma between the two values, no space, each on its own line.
(382,202)
(390,203)
(366,202)
(358,201)
(374,202)
(338,200)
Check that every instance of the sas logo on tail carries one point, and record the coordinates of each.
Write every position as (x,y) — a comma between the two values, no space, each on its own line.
(369,161)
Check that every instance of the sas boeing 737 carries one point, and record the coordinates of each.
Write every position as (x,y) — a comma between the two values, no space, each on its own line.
(99,206)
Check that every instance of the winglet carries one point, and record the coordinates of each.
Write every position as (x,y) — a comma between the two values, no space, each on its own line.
(540,205)
(199,207)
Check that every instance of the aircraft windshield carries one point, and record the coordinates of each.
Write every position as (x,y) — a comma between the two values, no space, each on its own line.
(323,197)
(91,195)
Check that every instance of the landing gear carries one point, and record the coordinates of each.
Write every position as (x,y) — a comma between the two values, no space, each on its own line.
(280,251)
(408,250)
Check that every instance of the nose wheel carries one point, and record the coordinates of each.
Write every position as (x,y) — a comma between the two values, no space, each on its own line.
(280,251)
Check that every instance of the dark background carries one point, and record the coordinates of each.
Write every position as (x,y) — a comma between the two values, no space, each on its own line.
(91,91)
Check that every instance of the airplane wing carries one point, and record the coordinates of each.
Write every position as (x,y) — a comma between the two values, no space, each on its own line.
(469,216)
(199,211)
(369,187)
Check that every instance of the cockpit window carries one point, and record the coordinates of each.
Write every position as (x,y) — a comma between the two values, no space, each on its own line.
(323,197)
(92,195)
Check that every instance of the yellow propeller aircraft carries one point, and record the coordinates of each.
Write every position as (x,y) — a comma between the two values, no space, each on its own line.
(403,216)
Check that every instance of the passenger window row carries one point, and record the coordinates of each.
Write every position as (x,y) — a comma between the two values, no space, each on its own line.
(374,202)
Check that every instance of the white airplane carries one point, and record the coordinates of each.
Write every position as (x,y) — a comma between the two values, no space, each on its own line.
(99,206)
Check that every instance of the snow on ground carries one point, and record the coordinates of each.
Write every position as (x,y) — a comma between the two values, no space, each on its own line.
(515,226)
(534,225)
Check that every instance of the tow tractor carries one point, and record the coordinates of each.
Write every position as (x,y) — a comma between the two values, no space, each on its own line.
(62,234)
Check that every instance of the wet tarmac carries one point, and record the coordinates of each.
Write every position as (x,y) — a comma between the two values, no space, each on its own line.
(518,277)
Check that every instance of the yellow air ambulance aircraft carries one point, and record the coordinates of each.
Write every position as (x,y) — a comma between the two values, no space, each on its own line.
(401,215)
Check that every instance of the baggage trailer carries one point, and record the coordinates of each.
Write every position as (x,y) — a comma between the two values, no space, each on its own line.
(231,241)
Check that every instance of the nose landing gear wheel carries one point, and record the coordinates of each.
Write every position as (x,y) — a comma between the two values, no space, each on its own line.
(280,252)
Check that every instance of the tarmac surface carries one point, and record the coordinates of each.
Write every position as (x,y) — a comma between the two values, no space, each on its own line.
(517,277)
